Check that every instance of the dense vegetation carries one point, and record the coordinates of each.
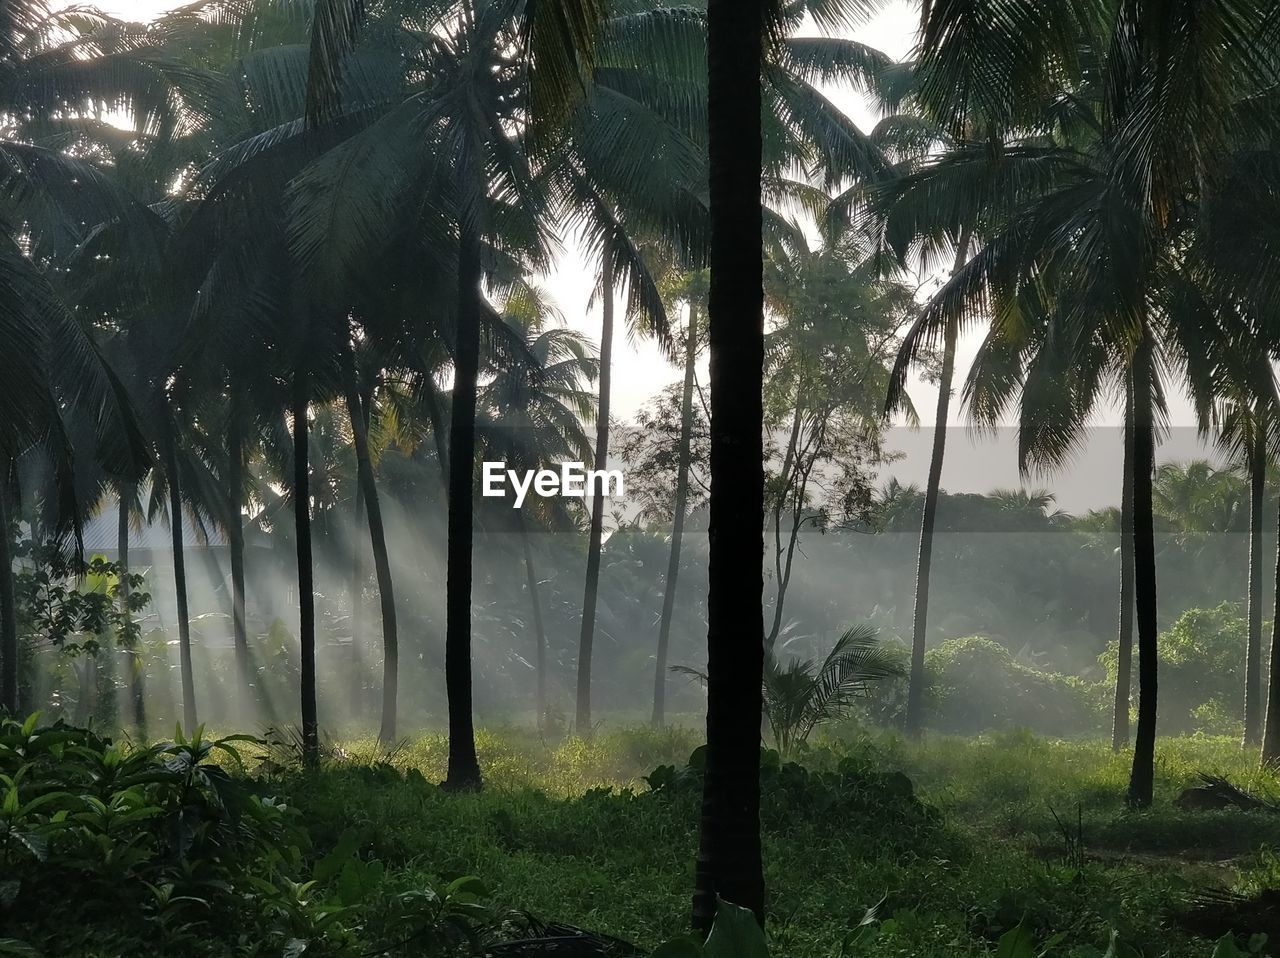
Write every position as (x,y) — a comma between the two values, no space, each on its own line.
(272,290)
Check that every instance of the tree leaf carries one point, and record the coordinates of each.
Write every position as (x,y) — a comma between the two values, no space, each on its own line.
(735,934)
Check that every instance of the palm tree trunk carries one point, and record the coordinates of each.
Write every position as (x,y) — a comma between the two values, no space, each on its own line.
(133,654)
(540,634)
(8,609)
(306,584)
(587,638)
(1271,727)
(786,478)
(381,558)
(1253,705)
(180,579)
(357,677)
(729,861)
(1124,651)
(924,561)
(235,545)
(464,767)
(1142,778)
(677,525)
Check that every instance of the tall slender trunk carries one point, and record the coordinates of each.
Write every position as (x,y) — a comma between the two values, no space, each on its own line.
(306,584)
(677,522)
(8,607)
(924,561)
(235,545)
(1124,654)
(1142,778)
(729,861)
(357,676)
(381,558)
(180,578)
(1253,703)
(464,767)
(540,634)
(133,654)
(1271,726)
(586,640)
(785,479)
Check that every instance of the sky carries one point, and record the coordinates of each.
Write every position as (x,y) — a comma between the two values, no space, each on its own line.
(974,463)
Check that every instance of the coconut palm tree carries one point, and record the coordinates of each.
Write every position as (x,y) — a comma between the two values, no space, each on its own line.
(1245,421)
(59,69)
(1124,641)
(729,864)
(800,694)
(532,415)
(1087,220)
(695,299)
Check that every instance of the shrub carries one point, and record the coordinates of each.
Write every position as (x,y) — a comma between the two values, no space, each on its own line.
(976,684)
(1201,671)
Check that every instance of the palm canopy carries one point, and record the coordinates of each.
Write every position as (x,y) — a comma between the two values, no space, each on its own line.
(800,694)
(532,413)
(1085,211)
(62,77)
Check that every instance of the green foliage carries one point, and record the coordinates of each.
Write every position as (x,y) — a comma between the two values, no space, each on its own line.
(1201,671)
(801,694)
(976,684)
(172,853)
(363,855)
(735,933)
(76,607)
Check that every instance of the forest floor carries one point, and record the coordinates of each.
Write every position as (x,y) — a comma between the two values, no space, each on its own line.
(997,831)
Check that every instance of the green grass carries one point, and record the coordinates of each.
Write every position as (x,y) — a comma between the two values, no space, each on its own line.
(564,830)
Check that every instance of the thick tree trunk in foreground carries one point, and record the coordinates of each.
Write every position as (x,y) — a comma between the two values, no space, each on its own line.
(729,864)
(1124,653)
(235,546)
(381,558)
(1253,702)
(306,585)
(586,641)
(1271,727)
(924,560)
(464,767)
(1142,778)
(133,654)
(180,580)
(539,630)
(8,609)
(677,525)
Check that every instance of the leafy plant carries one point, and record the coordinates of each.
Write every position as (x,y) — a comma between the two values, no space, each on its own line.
(735,933)
(801,694)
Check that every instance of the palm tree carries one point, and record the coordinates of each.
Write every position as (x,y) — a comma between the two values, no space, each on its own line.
(679,508)
(58,71)
(919,629)
(173,484)
(1245,417)
(729,863)
(8,605)
(1124,642)
(301,492)
(533,414)
(800,694)
(235,486)
(1076,223)
(595,536)
(358,412)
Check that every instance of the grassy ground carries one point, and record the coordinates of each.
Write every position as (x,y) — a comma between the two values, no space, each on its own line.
(1025,830)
